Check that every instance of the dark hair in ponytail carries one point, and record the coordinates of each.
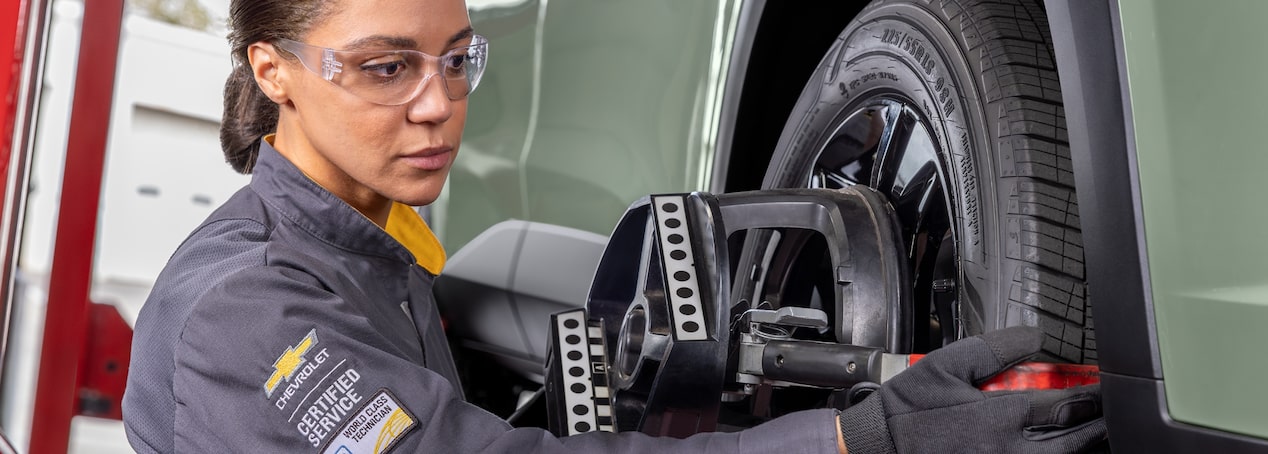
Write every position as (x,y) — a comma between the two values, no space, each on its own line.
(248,113)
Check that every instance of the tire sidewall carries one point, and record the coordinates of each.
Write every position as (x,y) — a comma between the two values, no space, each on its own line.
(904,51)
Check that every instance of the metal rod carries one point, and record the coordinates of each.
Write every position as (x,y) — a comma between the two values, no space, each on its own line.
(70,280)
(24,95)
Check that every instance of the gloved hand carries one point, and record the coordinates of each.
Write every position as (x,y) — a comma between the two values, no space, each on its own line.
(935,406)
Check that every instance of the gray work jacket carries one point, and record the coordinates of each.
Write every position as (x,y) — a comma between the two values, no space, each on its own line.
(289,322)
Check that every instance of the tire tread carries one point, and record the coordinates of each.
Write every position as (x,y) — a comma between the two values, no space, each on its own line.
(1041,225)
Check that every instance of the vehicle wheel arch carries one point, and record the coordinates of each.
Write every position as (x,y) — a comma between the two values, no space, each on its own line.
(762,87)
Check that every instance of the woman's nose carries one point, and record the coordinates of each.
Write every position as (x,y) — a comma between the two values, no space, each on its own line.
(432,104)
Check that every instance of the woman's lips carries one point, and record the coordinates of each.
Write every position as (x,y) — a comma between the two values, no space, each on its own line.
(429,159)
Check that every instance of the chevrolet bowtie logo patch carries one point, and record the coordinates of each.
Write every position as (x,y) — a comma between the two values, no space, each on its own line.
(289,362)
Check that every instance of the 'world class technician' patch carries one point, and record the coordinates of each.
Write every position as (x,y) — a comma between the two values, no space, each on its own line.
(375,428)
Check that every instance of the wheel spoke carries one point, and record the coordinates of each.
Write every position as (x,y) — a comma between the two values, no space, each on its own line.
(893,150)
(847,158)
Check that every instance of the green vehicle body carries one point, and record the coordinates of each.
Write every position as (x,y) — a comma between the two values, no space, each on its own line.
(1194,72)
(590,105)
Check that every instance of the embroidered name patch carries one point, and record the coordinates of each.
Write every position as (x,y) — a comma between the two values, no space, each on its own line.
(375,428)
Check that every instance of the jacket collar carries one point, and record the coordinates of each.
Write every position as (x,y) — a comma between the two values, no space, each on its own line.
(314,209)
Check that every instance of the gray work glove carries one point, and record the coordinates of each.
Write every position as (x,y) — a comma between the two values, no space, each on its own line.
(935,405)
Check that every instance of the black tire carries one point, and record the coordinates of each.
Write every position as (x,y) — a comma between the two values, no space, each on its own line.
(981,77)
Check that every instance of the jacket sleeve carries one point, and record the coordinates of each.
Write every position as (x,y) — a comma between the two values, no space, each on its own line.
(270,361)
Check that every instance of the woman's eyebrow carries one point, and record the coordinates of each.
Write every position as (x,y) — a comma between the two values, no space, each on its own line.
(381,42)
(461,35)
(399,42)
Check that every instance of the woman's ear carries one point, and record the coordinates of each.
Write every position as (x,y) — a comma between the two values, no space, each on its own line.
(267,67)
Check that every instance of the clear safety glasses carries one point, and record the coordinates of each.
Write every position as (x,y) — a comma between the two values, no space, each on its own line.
(394,77)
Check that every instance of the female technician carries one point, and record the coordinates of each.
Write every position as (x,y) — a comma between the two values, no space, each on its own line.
(299,317)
